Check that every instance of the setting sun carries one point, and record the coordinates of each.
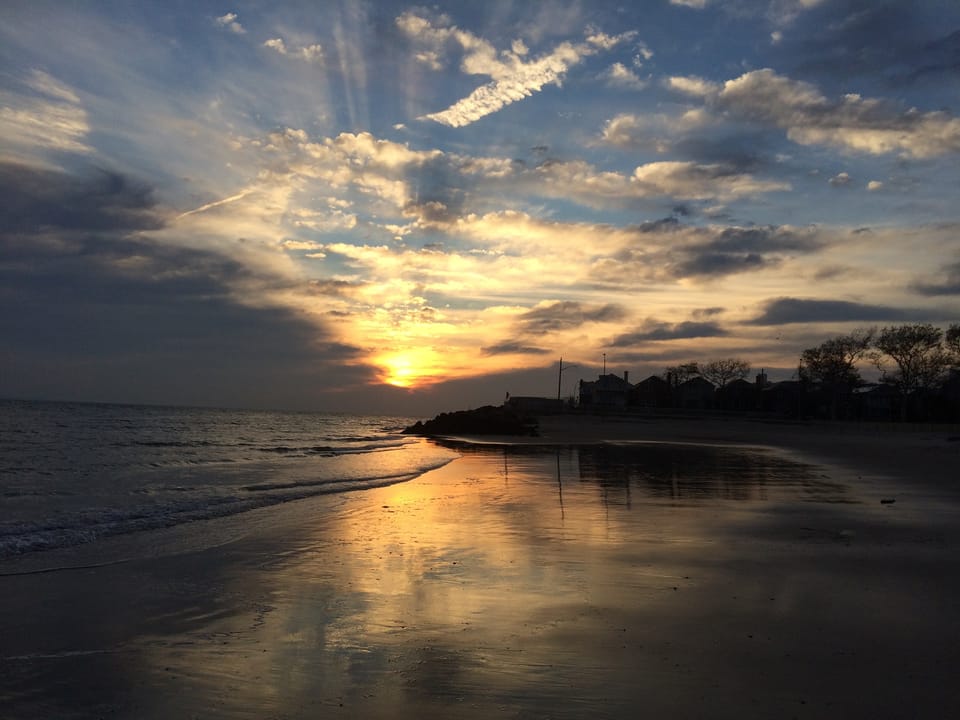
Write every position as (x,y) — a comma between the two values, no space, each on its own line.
(409,369)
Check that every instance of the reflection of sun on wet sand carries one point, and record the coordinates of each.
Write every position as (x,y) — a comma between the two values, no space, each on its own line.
(562,578)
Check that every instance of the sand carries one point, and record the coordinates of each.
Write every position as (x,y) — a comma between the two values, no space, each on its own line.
(537,581)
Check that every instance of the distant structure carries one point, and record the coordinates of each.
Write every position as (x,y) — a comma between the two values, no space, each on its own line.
(609,391)
(697,393)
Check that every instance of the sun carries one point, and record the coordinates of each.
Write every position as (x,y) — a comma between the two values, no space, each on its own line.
(410,368)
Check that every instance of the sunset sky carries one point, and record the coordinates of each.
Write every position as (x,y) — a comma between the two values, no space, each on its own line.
(380,206)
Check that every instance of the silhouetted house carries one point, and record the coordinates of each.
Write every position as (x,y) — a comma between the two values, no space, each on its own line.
(654,392)
(782,398)
(609,391)
(877,401)
(528,405)
(738,395)
(697,393)
(948,399)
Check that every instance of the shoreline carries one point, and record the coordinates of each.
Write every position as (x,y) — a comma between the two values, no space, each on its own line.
(592,571)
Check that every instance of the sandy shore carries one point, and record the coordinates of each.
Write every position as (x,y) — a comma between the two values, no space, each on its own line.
(538,581)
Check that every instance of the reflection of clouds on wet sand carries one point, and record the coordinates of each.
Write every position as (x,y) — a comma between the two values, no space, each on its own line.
(511,577)
(529,582)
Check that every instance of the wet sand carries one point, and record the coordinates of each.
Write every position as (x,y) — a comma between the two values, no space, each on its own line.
(537,581)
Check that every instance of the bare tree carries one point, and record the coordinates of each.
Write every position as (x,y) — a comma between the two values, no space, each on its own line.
(919,355)
(720,372)
(951,339)
(679,374)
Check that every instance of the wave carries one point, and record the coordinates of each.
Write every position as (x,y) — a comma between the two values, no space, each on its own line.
(92,524)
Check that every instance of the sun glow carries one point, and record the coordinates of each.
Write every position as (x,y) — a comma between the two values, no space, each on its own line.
(410,368)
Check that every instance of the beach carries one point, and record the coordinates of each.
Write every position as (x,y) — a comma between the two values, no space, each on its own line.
(605,569)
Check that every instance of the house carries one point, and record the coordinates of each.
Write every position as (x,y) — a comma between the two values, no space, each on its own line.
(738,395)
(782,398)
(948,399)
(877,401)
(697,393)
(608,391)
(654,392)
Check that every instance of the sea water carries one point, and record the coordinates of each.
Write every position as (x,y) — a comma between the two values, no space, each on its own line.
(73,473)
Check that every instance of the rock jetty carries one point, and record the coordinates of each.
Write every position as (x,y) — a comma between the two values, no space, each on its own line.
(486,420)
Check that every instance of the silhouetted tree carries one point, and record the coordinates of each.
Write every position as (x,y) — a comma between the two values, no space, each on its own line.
(725,370)
(833,364)
(921,360)
(951,339)
(679,374)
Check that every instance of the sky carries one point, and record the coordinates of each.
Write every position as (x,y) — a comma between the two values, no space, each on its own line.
(400,208)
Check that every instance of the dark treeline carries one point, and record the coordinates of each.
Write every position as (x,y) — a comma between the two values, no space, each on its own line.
(919,380)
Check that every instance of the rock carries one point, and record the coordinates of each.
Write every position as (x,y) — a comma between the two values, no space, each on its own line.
(486,420)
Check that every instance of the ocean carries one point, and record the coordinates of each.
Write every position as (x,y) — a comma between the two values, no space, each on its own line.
(74,473)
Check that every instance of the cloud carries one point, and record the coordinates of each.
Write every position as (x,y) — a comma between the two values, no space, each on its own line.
(95,309)
(655,131)
(431,188)
(231,23)
(551,317)
(874,185)
(840,180)
(44,115)
(527,79)
(48,202)
(948,284)
(667,251)
(694,181)
(513,347)
(655,331)
(309,53)
(691,85)
(788,310)
(513,76)
(619,75)
(853,123)
(696,4)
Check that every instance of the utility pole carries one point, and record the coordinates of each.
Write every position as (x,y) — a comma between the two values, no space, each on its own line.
(560,376)
(604,363)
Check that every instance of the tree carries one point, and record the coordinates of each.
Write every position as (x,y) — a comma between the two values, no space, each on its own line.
(721,372)
(920,358)
(679,374)
(833,364)
(951,339)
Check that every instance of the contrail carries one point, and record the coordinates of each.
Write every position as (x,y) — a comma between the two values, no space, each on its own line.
(208,206)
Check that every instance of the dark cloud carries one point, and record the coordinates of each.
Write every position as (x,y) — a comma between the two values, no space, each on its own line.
(948,284)
(668,250)
(36,199)
(736,249)
(566,315)
(334,288)
(512,347)
(718,264)
(663,225)
(899,41)
(653,331)
(745,152)
(90,309)
(938,59)
(784,311)
(831,272)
